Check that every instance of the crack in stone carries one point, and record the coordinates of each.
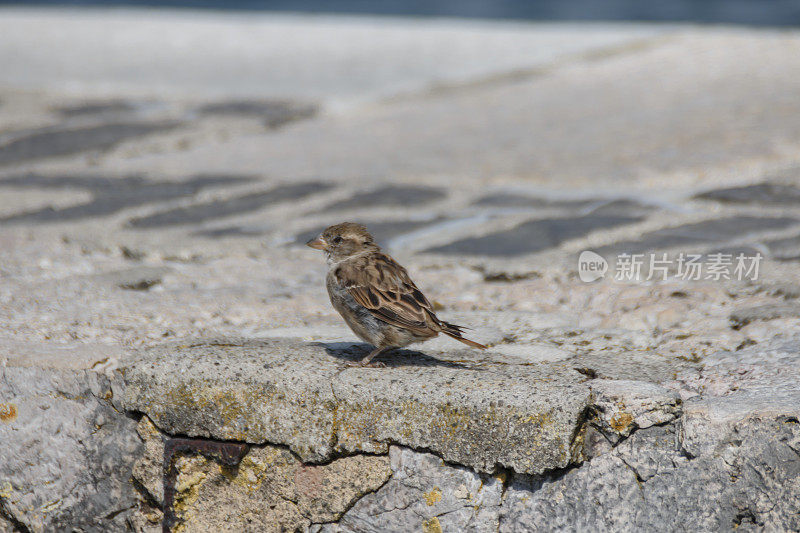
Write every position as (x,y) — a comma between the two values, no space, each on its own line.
(576,441)
(6,514)
(145,494)
(639,480)
(114,514)
(334,438)
(355,501)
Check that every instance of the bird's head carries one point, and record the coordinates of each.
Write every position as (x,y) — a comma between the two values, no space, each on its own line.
(344,240)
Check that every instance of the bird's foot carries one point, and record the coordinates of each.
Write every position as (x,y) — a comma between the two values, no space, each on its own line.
(367,361)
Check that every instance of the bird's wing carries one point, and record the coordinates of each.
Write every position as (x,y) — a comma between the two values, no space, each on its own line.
(384,287)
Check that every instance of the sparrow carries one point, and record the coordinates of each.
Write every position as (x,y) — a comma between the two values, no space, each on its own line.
(375,295)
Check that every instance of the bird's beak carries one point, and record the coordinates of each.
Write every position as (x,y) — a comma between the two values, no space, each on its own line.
(318,243)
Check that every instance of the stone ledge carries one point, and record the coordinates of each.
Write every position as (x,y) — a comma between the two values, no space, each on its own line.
(477,410)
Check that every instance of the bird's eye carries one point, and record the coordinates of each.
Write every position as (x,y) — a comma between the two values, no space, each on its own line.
(337,240)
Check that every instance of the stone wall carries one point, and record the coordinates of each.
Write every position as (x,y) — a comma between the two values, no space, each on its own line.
(635,456)
(639,457)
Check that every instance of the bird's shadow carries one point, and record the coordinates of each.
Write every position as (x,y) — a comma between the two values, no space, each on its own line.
(397,357)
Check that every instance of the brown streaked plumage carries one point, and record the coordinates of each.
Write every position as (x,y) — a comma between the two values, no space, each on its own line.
(375,295)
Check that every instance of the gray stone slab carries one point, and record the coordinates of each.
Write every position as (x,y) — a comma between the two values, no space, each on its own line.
(533,236)
(760,380)
(74,356)
(467,410)
(749,481)
(54,142)
(731,461)
(67,453)
(701,233)
(237,205)
(623,406)
(109,195)
(599,496)
(270,489)
(652,451)
(762,193)
(392,195)
(634,365)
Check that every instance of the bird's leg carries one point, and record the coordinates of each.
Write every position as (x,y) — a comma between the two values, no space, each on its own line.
(366,360)
(371,355)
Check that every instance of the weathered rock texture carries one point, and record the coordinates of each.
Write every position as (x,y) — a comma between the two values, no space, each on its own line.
(748,478)
(731,460)
(427,494)
(483,413)
(271,490)
(67,452)
(640,457)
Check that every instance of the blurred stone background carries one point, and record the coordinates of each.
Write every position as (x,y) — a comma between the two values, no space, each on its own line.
(160,170)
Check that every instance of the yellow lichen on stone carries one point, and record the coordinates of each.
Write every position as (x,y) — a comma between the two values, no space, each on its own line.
(8,412)
(147,430)
(432,496)
(255,467)
(6,490)
(431,525)
(621,422)
(50,507)
(192,472)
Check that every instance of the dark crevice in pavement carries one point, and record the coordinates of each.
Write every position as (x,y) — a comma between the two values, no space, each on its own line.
(253,201)
(392,195)
(109,195)
(96,108)
(710,231)
(62,141)
(533,236)
(772,194)
(274,113)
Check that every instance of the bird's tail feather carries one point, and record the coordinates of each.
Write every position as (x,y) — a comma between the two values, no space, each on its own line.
(453,331)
